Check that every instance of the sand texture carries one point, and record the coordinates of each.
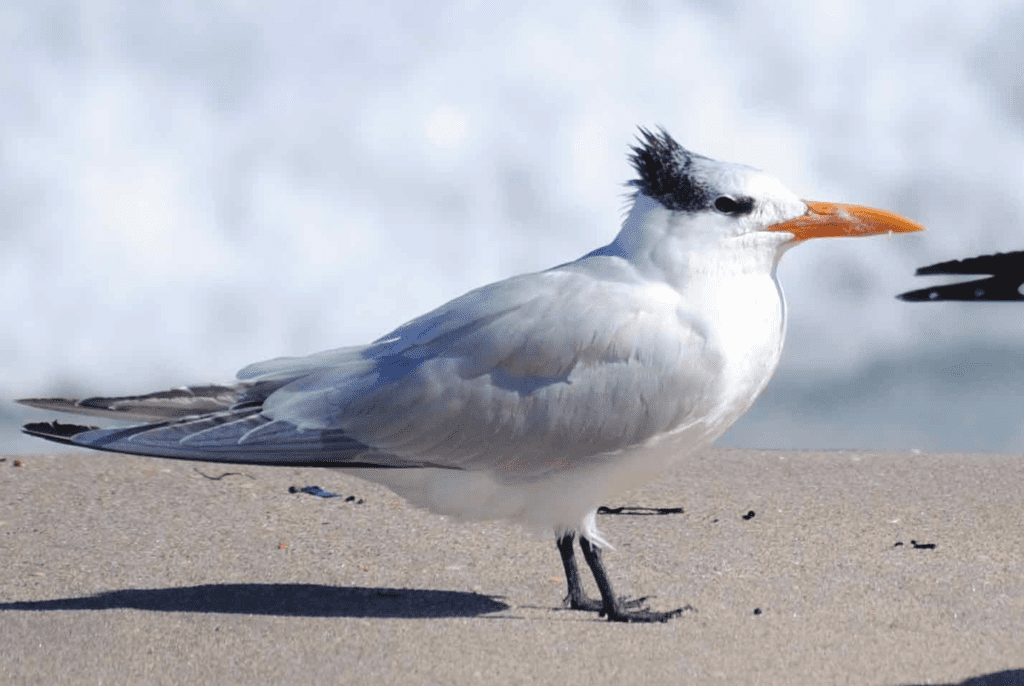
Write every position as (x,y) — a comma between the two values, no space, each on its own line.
(855,568)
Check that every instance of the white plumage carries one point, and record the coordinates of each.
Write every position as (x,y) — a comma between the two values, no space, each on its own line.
(539,397)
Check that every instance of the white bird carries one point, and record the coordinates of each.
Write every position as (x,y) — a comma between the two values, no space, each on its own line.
(537,398)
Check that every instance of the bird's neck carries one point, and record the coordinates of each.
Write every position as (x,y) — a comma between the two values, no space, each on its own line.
(680,249)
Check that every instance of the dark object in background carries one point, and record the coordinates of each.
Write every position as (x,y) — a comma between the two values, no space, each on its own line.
(638,510)
(1005,270)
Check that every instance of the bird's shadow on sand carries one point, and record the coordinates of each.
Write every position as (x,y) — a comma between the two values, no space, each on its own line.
(1012,677)
(289,600)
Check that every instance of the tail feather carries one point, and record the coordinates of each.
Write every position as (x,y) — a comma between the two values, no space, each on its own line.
(172,404)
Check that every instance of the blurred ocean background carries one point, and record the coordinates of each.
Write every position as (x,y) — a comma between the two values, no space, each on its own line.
(187,187)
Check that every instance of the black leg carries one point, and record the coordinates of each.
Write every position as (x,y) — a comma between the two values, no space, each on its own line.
(615,608)
(577,598)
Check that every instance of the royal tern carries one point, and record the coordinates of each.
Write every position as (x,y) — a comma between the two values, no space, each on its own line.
(536,398)
(1005,276)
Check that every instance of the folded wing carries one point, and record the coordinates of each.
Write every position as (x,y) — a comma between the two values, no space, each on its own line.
(501,379)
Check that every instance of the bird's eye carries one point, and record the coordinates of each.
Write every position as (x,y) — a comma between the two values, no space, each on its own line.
(727,205)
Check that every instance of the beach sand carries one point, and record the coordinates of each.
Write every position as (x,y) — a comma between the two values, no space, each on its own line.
(855,567)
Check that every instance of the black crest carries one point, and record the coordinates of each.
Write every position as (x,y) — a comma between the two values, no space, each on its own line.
(664,168)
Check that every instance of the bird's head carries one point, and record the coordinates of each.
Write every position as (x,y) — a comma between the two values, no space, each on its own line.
(704,202)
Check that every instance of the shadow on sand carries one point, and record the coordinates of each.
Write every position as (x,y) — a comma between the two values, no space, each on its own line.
(1012,677)
(291,600)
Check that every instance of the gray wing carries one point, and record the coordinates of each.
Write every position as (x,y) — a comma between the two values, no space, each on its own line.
(210,423)
(241,436)
(528,375)
(229,423)
(558,364)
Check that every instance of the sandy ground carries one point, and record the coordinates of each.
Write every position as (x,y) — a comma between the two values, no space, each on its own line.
(855,568)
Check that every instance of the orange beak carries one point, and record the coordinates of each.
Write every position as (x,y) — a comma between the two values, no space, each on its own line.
(833,220)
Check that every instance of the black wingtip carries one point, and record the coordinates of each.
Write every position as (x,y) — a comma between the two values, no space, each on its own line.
(982,290)
(56,431)
(1006,275)
(1007,265)
(919,296)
